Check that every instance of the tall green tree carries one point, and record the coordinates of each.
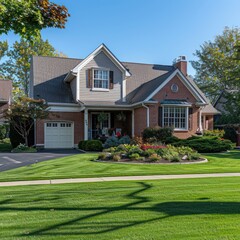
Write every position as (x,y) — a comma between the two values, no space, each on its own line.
(18,60)
(28,17)
(217,66)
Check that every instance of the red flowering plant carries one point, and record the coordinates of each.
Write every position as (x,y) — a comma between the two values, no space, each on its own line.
(118,134)
(145,147)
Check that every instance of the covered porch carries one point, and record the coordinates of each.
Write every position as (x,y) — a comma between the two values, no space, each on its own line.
(101,124)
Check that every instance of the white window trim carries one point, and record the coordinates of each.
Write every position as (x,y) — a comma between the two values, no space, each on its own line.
(186,120)
(101,89)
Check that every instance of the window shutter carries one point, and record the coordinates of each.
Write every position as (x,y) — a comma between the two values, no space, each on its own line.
(90,78)
(190,121)
(160,117)
(111,80)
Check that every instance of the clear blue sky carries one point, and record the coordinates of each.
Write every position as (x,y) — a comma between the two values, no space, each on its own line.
(150,31)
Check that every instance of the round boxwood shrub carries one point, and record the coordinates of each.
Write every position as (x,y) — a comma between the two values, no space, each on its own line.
(94,145)
(90,145)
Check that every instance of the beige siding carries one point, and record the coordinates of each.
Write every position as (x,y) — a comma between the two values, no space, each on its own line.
(86,94)
(73,86)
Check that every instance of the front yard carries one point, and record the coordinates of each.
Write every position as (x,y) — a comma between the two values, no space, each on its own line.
(81,165)
(167,209)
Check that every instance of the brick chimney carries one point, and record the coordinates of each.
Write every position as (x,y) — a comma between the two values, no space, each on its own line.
(181,64)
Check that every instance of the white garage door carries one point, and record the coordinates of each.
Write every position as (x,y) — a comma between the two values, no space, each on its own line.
(59,135)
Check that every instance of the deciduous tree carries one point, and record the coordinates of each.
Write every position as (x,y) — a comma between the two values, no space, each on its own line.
(217,66)
(28,17)
(18,60)
(23,113)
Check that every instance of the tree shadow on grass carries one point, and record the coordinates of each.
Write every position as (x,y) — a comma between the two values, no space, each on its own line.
(87,224)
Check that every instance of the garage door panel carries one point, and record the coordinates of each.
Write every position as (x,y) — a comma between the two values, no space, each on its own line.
(59,135)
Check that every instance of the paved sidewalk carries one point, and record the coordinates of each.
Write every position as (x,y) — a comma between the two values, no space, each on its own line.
(110,179)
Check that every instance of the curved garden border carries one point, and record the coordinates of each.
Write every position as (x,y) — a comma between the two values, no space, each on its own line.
(203,160)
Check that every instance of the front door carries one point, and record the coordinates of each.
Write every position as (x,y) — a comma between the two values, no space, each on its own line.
(99,128)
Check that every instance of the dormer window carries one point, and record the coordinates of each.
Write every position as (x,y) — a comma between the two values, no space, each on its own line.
(100,79)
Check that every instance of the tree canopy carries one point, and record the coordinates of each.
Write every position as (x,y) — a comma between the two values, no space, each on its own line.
(217,65)
(18,60)
(28,17)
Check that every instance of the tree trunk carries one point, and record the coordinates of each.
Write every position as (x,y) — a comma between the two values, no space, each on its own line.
(238,137)
(26,141)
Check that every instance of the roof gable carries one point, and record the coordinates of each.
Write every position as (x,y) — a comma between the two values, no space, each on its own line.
(102,48)
(193,89)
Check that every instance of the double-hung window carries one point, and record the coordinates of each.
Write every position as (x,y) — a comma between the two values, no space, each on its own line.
(176,117)
(100,79)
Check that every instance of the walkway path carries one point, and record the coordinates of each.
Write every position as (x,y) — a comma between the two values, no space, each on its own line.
(110,179)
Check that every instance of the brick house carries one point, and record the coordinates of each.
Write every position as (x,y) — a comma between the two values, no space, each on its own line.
(5,96)
(87,97)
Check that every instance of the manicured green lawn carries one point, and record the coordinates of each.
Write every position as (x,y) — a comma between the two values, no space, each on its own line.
(81,165)
(190,209)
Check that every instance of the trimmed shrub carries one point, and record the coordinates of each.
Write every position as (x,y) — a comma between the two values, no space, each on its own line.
(114,141)
(116,157)
(90,145)
(22,148)
(111,142)
(214,133)
(110,150)
(125,140)
(206,144)
(94,145)
(149,152)
(154,157)
(153,134)
(102,156)
(193,156)
(134,156)
(82,144)
(173,139)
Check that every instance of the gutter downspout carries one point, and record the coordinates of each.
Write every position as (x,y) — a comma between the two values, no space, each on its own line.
(147,113)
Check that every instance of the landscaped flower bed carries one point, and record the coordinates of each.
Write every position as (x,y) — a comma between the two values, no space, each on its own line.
(149,154)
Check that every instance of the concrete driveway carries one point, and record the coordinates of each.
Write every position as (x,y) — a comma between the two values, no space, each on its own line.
(14,160)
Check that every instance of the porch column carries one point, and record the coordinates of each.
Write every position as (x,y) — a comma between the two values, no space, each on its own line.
(86,124)
(204,123)
(200,120)
(133,126)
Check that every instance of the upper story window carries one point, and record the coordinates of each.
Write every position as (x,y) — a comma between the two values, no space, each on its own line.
(101,79)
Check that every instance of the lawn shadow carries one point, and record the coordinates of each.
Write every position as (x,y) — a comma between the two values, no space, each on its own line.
(86,224)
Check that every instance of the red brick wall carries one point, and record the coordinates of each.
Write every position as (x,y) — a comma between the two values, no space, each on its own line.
(166,93)
(77,118)
(140,120)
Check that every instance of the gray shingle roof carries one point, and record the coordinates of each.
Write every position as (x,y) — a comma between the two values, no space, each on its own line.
(145,89)
(49,73)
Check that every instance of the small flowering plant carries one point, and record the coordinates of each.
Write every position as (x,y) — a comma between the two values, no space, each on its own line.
(145,147)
